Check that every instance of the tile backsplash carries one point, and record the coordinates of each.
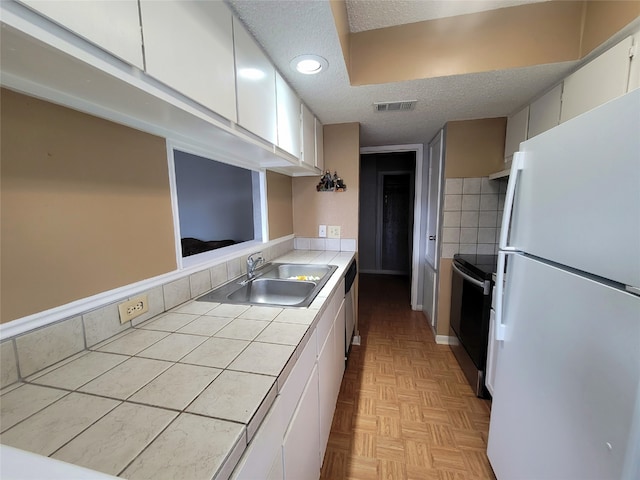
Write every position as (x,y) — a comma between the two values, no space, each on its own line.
(472,215)
(37,349)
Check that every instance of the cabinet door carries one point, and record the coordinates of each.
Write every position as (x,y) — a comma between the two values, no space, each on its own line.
(189,47)
(544,113)
(301,447)
(603,79)
(288,112)
(326,381)
(308,137)
(436,162)
(256,86)
(340,341)
(319,160)
(517,125)
(114,26)
(264,453)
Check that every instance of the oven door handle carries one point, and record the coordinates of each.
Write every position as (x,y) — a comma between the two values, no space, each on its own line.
(485,286)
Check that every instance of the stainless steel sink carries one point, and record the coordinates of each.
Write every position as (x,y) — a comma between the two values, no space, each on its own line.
(273,291)
(277,284)
(292,271)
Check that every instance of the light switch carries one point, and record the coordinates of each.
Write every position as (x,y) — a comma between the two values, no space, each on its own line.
(322,231)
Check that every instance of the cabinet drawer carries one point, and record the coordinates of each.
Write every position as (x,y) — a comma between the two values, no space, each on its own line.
(292,389)
(329,314)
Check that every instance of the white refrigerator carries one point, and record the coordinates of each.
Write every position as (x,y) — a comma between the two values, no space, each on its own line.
(566,334)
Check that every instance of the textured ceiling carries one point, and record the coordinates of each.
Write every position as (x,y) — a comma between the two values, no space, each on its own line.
(372,14)
(287,28)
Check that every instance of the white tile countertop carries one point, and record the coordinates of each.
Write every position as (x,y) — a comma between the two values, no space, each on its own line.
(178,396)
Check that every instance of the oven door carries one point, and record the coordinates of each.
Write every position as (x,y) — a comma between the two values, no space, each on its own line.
(470,308)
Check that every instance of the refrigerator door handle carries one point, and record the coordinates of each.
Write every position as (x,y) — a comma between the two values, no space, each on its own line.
(516,167)
(632,289)
(500,328)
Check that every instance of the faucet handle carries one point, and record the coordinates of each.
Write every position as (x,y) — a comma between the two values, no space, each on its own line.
(252,260)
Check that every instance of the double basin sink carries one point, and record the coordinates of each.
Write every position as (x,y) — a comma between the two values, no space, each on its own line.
(277,284)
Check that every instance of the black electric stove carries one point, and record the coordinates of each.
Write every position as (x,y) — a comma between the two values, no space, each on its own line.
(471,284)
(481,266)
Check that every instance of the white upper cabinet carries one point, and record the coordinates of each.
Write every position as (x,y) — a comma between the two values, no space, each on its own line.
(288,112)
(312,141)
(517,125)
(113,26)
(308,137)
(319,162)
(256,86)
(603,79)
(544,113)
(189,46)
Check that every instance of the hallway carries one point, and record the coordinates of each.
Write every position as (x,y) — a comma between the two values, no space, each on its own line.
(405,410)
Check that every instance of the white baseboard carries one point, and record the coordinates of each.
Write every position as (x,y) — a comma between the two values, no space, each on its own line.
(446,340)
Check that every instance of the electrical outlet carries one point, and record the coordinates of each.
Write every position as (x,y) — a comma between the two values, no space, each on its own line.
(334,231)
(133,308)
(322,231)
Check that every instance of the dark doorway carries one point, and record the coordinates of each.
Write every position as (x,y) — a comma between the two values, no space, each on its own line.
(395,227)
(386,212)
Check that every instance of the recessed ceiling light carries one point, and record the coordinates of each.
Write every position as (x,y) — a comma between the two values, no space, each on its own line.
(309,64)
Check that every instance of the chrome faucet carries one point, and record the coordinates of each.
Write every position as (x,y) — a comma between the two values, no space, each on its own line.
(254,262)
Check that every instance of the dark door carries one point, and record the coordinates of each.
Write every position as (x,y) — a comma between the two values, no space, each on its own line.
(396,224)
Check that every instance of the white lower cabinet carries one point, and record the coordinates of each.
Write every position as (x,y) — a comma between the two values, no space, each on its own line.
(301,446)
(277,468)
(264,453)
(326,379)
(340,341)
(330,371)
(291,442)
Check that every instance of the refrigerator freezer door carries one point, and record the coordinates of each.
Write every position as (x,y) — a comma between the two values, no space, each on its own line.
(567,378)
(577,201)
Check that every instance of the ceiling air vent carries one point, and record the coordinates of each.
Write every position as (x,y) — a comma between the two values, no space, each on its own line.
(394,106)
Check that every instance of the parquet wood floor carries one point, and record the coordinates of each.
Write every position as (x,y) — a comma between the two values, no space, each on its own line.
(405,409)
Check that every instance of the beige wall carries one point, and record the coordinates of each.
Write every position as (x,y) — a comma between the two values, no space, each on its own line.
(444,296)
(341,20)
(280,205)
(511,37)
(603,19)
(474,148)
(312,208)
(86,206)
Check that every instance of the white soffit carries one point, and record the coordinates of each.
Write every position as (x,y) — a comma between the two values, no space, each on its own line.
(287,28)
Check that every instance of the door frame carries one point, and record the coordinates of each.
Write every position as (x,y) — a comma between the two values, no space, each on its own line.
(379,214)
(417,275)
